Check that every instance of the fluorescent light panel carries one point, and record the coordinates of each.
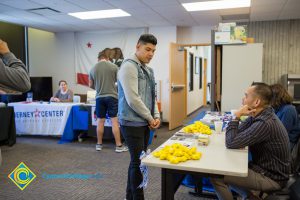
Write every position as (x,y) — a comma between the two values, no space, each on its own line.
(216,5)
(99,14)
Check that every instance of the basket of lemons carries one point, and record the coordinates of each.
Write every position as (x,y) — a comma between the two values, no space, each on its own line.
(197,127)
(177,153)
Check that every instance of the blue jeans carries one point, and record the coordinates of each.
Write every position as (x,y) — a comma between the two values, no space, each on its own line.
(137,140)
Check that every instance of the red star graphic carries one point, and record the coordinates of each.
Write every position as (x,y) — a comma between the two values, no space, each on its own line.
(89,45)
(37,113)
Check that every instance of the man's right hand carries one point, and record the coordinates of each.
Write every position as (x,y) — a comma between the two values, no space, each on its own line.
(154,123)
(245,111)
(3,47)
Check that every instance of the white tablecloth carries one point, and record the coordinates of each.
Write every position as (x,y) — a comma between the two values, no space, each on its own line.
(41,118)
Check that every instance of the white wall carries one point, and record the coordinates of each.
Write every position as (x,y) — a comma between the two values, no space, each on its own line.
(57,59)
(208,72)
(197,35)
(54,55)
(42,53)
(195,97)
(194,35)
(160,63)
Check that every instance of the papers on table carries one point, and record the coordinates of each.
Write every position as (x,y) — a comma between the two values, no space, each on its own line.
(188,142)
(210,117)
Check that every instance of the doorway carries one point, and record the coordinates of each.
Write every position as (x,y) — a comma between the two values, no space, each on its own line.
(189,75)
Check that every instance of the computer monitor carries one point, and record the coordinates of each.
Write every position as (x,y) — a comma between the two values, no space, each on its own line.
(297,92)
(41,87)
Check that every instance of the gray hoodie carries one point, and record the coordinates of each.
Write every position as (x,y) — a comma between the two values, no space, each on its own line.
(13,74)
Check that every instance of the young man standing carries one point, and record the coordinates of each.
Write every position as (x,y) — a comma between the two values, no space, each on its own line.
(268,143)
(103,78)
(138,109)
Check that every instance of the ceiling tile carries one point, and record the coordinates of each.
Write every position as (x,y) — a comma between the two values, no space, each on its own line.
(143,13)
(176,15)
(192,1)
(107,23)
(4,8)
(126,3)
(60,5)
(129,22)
(154,20)
(67,19)
(21,4)
(92,4)
(261,9)
(235,11)
(210,17)
(292,5)
(160,2)
(140,11)
(263,16)
(290,14)
(267,2)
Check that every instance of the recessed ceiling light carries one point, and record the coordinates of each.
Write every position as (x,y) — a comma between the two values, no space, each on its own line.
(216,5)
(100,14)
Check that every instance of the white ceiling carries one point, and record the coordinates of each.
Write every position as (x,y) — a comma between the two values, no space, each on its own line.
(144,13)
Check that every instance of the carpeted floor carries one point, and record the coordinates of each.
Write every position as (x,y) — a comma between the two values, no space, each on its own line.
(50,160)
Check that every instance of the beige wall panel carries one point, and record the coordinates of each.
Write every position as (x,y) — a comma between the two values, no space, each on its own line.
(281,41)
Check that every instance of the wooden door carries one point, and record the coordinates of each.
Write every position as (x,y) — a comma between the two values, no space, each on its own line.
(177,91)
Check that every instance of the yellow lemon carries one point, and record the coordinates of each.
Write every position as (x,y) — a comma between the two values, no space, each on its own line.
(163,156)
(156,154)
(183,159)
(193,150)
(174,161)
(195,157)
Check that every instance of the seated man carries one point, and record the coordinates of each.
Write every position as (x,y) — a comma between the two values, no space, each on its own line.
(268,143)
(63,94)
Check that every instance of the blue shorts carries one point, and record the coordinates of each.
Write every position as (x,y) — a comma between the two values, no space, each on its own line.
(106,105)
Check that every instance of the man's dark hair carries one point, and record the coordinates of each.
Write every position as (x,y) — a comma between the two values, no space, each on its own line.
(147,38)
(62,81)
(264,91)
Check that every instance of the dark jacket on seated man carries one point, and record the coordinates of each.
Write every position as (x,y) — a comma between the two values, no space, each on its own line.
(268,144)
